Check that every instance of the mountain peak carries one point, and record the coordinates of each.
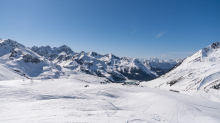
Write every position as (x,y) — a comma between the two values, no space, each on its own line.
(64,47)
(82,52)
(10,43)
(93,54)
(211,50)
(110,55)
(215,45)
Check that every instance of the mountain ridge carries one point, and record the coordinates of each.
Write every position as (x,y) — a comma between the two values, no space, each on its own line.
(197,74)
(47,62)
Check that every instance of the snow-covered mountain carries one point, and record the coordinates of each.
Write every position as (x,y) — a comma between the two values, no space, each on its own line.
(110,66)
(198,74)
(52,53)
(21,60)
(161,66)
(46,62)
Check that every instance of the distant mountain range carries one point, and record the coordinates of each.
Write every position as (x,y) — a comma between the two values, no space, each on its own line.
(46,63)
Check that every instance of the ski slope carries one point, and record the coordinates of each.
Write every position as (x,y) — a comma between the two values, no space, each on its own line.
(7,73)
(68,100)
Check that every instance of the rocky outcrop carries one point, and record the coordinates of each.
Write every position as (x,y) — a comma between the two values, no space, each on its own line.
(28,58)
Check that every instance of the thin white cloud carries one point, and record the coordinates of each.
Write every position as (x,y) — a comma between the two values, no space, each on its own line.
(160,34)
(182,52)
(134,31)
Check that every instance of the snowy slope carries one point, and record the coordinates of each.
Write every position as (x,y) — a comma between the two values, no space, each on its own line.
(197,75)
(68,100)
(8,74)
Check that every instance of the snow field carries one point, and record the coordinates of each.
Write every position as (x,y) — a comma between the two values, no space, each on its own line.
(68,100)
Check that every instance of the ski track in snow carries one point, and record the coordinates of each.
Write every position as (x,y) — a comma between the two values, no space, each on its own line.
(68,100)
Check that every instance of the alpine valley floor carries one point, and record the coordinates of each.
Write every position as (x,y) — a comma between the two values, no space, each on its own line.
(68,100)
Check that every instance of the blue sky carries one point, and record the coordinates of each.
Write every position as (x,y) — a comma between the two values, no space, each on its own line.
(165,29)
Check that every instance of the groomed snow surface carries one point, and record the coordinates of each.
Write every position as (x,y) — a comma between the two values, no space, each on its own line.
(69,101)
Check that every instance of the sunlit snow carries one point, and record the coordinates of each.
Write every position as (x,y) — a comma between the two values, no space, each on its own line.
(69,100)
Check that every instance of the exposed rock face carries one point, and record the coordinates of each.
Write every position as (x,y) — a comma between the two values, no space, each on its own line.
(15,54)
(52,53)
(215,45)
(137,74)
(29,58)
